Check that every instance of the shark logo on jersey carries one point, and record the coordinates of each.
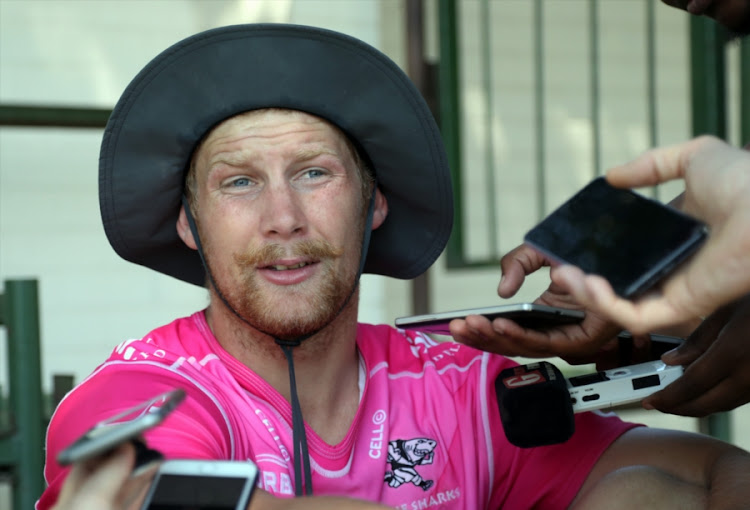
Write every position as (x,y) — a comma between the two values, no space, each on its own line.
(404,455)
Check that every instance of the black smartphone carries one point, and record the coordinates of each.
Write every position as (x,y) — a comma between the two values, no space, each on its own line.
(526,315)
(126,426)
(185,484)
(629,239)
(659,344)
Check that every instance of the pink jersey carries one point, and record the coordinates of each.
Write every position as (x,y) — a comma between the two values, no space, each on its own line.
(427,433)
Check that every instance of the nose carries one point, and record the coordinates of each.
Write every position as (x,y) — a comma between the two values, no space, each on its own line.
(282,215)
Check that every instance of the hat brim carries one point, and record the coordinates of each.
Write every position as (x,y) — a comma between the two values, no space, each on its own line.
(204,79)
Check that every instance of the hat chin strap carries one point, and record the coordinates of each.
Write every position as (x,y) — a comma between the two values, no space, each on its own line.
(299,437)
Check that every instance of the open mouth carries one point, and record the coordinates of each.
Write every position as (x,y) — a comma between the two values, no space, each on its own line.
(280,267)
(287,265)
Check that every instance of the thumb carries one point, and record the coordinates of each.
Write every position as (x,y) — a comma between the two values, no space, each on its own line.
(700,339)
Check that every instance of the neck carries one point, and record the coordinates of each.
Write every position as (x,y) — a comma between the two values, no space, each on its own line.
(326,366)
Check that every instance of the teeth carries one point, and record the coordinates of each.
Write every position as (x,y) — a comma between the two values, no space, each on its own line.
(284,268)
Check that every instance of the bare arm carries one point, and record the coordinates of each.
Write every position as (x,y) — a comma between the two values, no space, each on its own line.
(652,468)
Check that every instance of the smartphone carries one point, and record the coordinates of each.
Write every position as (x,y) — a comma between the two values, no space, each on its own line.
(659,345)
(629,239)
(202,485)
(526,315)
(126,426)
(620,386)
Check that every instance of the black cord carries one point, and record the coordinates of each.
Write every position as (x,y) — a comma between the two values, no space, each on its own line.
(299,437)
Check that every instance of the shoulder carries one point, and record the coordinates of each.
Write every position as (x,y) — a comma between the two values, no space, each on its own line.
(181,338)
(138,370)
(116,388)
(413,351)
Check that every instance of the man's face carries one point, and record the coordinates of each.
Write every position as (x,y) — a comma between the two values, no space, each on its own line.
(281,217)
(733,14)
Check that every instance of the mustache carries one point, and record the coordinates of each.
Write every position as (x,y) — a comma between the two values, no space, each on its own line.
(266,254)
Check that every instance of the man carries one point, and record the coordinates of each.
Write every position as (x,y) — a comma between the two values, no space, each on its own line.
(299,143)
(714,282)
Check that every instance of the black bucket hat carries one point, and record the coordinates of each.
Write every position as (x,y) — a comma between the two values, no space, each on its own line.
(204,79)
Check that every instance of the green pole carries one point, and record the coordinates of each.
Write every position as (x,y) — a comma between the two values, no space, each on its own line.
(21,317)
(707,71)
(707,68)
(449,119)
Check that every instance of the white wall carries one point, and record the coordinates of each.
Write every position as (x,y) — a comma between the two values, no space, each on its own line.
(84,53)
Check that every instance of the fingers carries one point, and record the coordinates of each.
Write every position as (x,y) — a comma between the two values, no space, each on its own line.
(595,294)
(700,340)
(681,396)
(133,492)
(659,165)
(515,265)
(700,398)
(503,336)
(499,336)
(718,379)
(96,484)
(112,472)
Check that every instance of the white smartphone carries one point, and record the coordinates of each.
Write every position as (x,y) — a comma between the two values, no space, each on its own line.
(183,484)
(126,426)
(620,386)
(526,315)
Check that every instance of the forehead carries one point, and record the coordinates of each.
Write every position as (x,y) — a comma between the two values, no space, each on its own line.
(267,123)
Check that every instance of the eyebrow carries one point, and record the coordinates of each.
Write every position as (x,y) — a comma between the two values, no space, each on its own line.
(307,153)
(301,154)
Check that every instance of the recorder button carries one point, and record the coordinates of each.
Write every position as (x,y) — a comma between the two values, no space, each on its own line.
(646,382)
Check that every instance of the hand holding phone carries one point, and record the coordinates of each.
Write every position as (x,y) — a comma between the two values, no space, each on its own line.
(126,426)
(526,315)
(630,240)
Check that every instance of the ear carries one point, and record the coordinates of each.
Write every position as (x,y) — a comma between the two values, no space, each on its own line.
(381,209)
(183,230)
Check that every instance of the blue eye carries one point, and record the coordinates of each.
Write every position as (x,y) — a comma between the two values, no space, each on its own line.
(313,173)
(241,181)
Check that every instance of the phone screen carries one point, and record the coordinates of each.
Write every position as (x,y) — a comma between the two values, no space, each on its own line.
(630,240)
(196,492)
(187,484)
